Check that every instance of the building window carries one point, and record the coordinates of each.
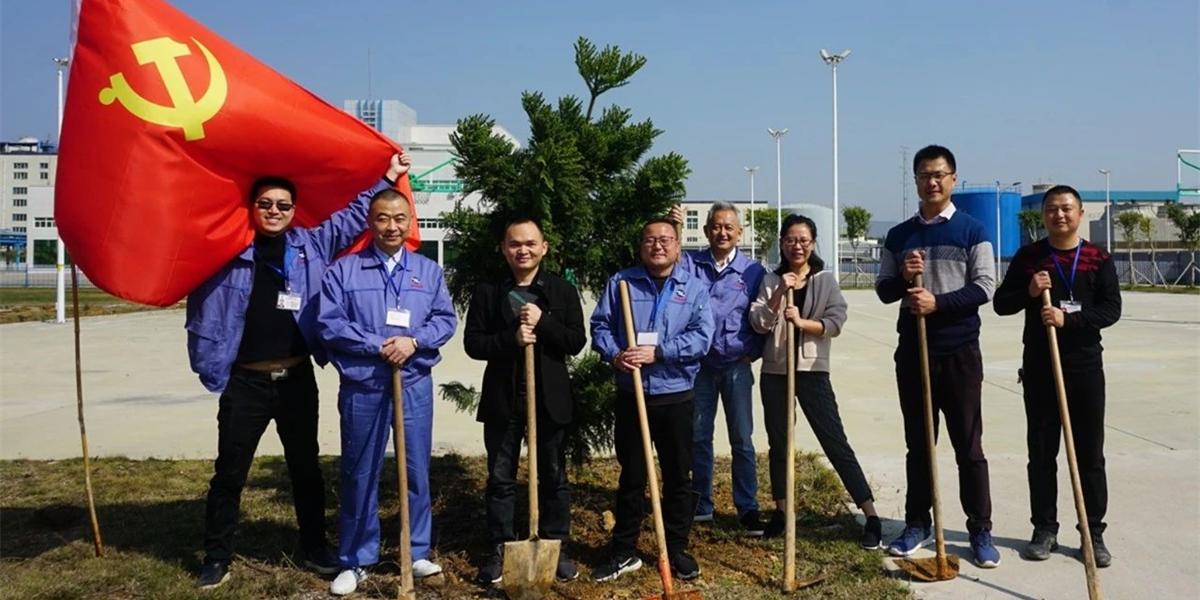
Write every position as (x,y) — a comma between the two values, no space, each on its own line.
(19,217)
(20,202)
(45,165)
(45,176)
(429,223)
(43,222)
(19,229)
(20,165)
(18,191)
(20,175)
(693,219)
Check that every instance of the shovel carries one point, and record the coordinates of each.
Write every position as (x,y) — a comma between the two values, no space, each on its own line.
(530,566)
(406,575)
(941,567)
(664,563)
(1089,557)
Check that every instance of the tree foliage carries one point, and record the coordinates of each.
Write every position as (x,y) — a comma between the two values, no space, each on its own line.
(1030,220)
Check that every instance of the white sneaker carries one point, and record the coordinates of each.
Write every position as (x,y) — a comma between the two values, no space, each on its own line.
(425,568)
(347,581)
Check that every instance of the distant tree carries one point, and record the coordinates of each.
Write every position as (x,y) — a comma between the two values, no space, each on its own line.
(1030,220)
(1130,222)
(1146,228)
(588,181)
(766,235)
(1187,227)
(858,221)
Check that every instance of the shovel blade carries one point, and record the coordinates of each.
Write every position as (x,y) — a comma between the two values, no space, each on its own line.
(530,568)
(936,568)
(684,595)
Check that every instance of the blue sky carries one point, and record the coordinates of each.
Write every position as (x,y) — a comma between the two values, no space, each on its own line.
(1029,91)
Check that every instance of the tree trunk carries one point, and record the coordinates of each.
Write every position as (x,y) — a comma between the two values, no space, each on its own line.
(1132,279)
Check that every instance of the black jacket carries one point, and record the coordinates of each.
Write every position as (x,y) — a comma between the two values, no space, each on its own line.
(490,334)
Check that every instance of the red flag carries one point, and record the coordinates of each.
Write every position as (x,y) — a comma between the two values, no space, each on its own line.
(165,128)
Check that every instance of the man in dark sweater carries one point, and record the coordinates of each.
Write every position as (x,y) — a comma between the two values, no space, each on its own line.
(1085,297)
(529,306)
(952,251)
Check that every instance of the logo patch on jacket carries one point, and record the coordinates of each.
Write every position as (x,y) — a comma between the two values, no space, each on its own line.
(680,296)
(740,284)
(416,283)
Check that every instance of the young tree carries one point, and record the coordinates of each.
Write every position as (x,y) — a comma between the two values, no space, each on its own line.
(1129,222)
(858,221)
(1146,227)
(765,234)
(1030,220)
(588,181)
(1187,227)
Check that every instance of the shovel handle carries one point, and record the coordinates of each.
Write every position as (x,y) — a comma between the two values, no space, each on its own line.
(930,442)
(789,521)
(1064,415)
(660,536)
(406,574)
(531,439)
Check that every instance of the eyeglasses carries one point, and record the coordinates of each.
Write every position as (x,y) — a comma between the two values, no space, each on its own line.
(802,242)
(662,240)
(936,176)
(282,205)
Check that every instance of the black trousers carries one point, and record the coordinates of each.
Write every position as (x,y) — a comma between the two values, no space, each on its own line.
(1085,402)
(820,408)
(956,381)
(248,404)
(671,434)
(503,441)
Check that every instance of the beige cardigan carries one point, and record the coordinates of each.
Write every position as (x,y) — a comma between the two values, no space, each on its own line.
(823,302)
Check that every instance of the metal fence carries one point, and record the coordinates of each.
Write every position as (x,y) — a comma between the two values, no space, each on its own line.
(1167,267)
(37,277)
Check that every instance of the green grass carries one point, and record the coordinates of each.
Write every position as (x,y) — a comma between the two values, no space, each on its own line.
(37,304)
(151,515)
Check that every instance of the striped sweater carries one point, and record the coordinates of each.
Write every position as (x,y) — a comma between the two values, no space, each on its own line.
(959,272)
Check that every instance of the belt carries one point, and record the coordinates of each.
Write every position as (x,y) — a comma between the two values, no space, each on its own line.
(275,375)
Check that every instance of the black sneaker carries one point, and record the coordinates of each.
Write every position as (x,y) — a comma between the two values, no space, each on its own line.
(1043,543)
(566,571)
(322,560)
(1100,551)
(775,528)
(872,534)
(684,566)
(616,567)
(492,572)
(213,574)
(752,524)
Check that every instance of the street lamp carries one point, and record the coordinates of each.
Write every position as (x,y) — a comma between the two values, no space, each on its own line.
(753,233)
(1107,213)
(999,237)
(60,296)
(833,62)
(778,135)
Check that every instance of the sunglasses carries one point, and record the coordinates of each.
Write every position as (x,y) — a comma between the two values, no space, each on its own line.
(282,205)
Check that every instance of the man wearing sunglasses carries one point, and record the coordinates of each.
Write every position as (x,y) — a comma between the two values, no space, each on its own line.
(251,332)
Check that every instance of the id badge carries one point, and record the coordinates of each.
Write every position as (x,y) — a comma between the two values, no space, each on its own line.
(1070,306)
(647,338)
(398,317)
(289,301)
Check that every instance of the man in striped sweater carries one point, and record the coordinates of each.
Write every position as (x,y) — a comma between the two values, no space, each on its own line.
(953,253)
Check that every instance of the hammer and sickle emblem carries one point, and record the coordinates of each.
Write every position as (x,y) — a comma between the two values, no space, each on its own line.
(187,113)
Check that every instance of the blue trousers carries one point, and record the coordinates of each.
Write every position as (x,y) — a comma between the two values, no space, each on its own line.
(733,385)
(366,419)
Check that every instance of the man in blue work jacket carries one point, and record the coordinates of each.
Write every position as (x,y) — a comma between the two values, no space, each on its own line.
(251,330)
(674,326)
(381,308)
(732,279)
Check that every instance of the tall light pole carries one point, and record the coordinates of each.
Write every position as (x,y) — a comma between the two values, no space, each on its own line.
(833,62)
(1108,245)
(60,296)
(753,232)
(999,221)
(778,135)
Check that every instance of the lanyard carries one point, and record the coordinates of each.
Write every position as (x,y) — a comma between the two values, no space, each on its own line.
(1074,266)
(287,285)
(389,278)
(662,299)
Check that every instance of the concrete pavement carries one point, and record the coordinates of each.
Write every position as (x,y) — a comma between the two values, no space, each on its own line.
(143,401)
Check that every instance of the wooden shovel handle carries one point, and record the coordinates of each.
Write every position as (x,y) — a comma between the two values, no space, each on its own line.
(531,438)
(406,574)
(789,521)
(930,442)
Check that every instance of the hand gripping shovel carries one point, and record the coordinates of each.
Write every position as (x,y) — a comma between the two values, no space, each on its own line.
(1089,557)
(406,575)
(530,566)
(664,563)
(941,567)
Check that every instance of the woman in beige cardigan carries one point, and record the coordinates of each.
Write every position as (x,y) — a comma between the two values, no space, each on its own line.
(818,312)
